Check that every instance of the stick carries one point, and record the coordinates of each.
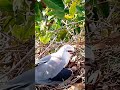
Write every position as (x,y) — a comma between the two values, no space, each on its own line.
(18,63)
(47,47)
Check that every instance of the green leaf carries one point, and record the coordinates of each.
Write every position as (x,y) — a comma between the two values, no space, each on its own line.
(80,18)
(6,5)
(67,11)
(57,7)
(38,13)
(67,1)
(61,35)
(37,29)
(55,4)
(55,26)
(22,33)
(18,31)
(59,14)
(46,38)
(80,9)
(20,19)
(72,9)
(104,9)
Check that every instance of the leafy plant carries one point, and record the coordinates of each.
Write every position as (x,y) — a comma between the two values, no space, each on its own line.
(61,18)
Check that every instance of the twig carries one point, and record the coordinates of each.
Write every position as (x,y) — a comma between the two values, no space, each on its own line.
(47,47)
(4,34)
(112,11)
(18,63)
(73,81)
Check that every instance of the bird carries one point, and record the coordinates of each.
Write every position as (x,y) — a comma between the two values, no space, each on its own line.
(48,68)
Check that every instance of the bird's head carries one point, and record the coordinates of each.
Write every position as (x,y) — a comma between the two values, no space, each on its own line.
(67,50)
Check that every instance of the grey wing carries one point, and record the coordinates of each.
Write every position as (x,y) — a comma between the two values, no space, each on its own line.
(43,60)
(19,86)
(26,77)
(25,80)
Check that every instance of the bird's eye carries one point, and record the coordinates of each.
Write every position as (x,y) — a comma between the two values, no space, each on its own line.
(70,51)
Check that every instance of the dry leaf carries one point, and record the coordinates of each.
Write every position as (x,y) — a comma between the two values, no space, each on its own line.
(77,86)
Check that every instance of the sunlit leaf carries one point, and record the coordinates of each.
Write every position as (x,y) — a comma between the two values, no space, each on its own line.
(61,34)
(46,38)
(67,1)
(68,16)
(72,9)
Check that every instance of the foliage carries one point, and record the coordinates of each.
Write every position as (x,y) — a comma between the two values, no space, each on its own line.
(18,19)
(61,19)
(16,38)
(58,18)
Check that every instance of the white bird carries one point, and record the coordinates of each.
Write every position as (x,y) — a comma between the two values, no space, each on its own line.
(52,64)
(48,67)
